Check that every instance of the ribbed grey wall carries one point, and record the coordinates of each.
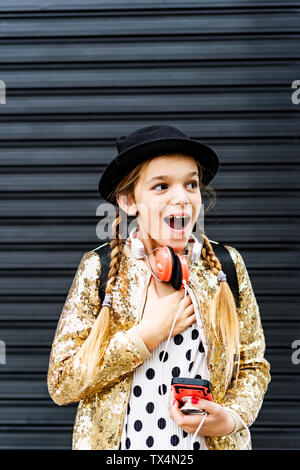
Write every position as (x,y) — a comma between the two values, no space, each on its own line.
(79,74)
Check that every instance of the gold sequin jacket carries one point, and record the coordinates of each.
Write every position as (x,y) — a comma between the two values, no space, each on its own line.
(103,403)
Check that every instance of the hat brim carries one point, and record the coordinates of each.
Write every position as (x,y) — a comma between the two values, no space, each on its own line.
(132,157)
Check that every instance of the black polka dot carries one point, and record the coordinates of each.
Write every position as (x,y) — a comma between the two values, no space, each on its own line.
(150,374)
(128,443)
(174,440)
(126,427)
(188,355)
(184,433)
(195,334)
(137,391)
(191,366)
(162,389)
(128,409)
(163,355)
(150,407)
(178,339)
(201,348)
(176,372)
(161,423)
(198,376)
(150,441)
(138,425)
(196,446)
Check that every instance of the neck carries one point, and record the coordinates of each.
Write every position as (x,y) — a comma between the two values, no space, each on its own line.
(150,244)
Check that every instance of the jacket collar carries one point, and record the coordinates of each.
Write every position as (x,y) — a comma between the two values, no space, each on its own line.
(202,280)
(139,263)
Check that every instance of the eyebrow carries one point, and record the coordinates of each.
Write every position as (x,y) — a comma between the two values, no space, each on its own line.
(165,177)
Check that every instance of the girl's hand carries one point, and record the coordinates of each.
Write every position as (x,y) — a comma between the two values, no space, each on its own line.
(218,421)
(159,314)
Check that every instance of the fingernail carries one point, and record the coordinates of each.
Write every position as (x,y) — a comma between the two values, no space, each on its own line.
(195,400)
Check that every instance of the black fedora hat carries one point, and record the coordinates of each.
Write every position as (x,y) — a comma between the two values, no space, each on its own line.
(151,141)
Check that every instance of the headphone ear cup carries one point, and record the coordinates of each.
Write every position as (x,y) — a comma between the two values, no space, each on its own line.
(176,278)
(164,263)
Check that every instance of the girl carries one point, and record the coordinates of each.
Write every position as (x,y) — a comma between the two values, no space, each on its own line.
(117,359)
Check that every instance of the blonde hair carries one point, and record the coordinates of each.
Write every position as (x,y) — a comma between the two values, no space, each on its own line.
(222,310)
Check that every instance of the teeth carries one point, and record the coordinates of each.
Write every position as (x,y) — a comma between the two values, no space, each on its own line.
(177,222)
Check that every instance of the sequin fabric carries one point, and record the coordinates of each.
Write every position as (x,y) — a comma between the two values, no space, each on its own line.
(102,403)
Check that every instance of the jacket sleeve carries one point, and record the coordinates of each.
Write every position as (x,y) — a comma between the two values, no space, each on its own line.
(124,349)
(254,376)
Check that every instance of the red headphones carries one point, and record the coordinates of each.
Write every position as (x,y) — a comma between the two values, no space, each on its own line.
(168,265)
(171,267)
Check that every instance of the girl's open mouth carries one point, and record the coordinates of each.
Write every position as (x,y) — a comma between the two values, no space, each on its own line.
(177,223)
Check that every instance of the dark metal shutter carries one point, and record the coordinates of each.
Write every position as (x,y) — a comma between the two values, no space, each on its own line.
(78,74)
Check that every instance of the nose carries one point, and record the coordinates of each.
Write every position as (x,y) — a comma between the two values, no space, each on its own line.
(179,195)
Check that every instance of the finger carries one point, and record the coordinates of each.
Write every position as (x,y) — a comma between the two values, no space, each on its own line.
(175,412)
(173,402)
(171,396)
(206,405)
(186,303)
(188,300)
(189,309)
(196,404)
(190,320)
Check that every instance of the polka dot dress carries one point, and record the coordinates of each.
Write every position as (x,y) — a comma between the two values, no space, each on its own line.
(147,422)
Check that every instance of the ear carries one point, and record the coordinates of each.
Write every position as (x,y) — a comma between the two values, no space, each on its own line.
(127,203)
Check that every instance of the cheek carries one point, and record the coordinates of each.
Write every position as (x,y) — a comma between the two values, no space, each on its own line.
(196,204)
(151,216)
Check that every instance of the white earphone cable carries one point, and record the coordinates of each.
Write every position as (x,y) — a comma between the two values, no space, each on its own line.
(180,309)
(198,429)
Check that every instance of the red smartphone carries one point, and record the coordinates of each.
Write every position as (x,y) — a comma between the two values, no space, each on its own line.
(188,387)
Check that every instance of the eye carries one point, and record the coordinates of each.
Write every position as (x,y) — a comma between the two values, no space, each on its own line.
(161,184)
(195,183)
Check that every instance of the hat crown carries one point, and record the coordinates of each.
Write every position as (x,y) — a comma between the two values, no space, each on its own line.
(146,134)
(153,141)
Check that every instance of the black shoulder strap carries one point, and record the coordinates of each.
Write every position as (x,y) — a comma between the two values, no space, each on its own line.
(228,267)
(104,253)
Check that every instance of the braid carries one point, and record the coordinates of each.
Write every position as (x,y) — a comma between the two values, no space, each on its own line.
(222,313)
(94,346)
(116,251)
(210,257)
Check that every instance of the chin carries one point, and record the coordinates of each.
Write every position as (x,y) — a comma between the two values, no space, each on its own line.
(178,243)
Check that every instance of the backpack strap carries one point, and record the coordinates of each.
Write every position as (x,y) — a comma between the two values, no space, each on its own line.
(104,255)
(228,268)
